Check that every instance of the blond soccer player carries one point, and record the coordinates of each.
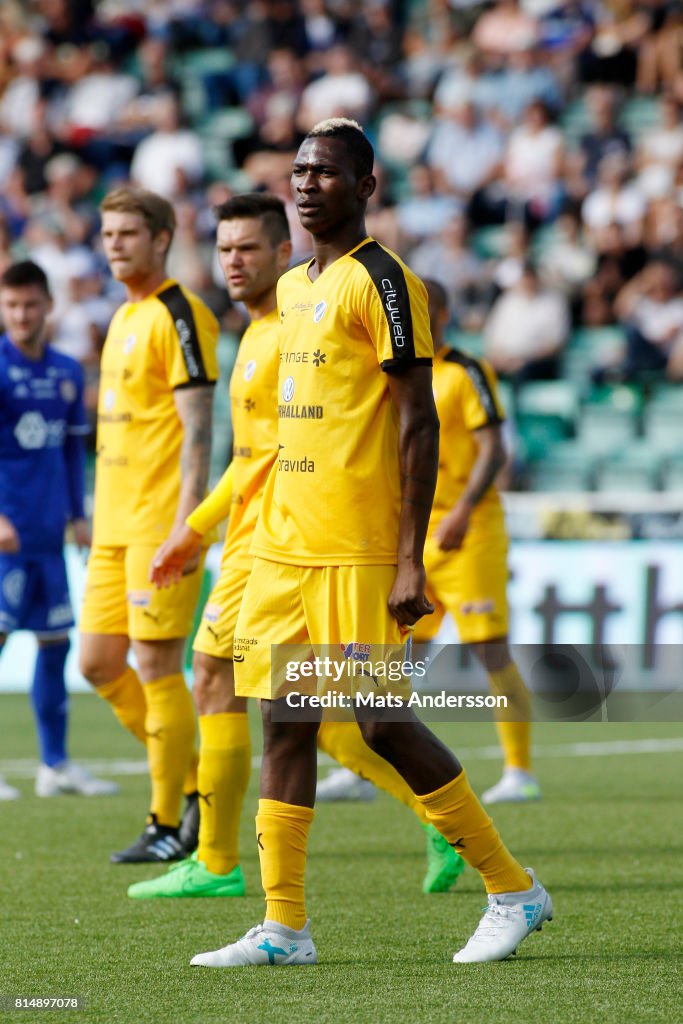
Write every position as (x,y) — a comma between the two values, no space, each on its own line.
(159,366)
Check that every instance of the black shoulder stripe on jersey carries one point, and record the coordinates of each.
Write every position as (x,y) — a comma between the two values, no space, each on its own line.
(387,275)
(475,372)
(184,322)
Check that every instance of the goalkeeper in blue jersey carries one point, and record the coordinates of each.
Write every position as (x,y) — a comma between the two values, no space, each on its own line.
(42,429)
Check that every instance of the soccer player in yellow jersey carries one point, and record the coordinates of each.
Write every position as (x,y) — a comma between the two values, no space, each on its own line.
(254,250)
(465,559)
(159,365)
(339,547)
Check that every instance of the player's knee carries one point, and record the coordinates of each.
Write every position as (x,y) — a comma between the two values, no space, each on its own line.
(213,689)
(98,667)
(281,738)
(378,736)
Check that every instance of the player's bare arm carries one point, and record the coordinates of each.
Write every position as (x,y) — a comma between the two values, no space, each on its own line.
(9,538)
(491,457)
(195,409)
(411,392)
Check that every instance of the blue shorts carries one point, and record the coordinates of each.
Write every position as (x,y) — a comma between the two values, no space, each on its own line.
(34,594)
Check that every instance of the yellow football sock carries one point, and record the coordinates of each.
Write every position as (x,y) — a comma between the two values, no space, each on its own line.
(512,723)
(224,767)
(282,836)
(455,811)
(344,742)
(127,700)
(170,730)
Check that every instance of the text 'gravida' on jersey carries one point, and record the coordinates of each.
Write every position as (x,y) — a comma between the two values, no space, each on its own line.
(334,495)
(153,347)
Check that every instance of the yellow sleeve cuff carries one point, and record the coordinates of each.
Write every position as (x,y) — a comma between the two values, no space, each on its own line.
(214,508)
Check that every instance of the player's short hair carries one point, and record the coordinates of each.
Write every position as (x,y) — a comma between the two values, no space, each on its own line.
(157,212)
(19,275)
(264,206)
(437,292)
(353,137)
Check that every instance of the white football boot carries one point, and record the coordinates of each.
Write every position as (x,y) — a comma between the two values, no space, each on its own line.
(268,944)
(509,918)
(343,784)
(71,778)
(516,786)
(8,792)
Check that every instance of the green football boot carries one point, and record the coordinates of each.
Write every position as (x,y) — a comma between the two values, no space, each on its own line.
(189,878)
(444,865)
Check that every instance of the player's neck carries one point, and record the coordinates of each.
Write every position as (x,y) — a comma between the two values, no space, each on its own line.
(327,250)
(34,349)
(139,288)
(262,306)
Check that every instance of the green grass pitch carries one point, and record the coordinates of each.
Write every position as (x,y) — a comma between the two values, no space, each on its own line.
(607,840)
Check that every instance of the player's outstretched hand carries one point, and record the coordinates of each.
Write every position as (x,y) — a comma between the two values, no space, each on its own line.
(82,534)
(176,557)
(407,600)
(9,538)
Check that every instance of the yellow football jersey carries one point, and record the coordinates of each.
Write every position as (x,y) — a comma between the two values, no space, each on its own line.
(166,341)
(333,496)
(253,399)
(466,399)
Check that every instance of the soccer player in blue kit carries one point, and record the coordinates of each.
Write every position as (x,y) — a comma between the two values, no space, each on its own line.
(42,427)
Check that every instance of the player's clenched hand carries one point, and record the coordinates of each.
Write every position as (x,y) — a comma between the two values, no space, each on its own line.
(407,600)
(9,538)
(450,533)
(82,535)
(176,557)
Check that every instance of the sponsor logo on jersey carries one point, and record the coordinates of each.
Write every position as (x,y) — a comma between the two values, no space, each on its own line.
(319,311)
(67,390)
(16,373)
(212,612)
(249,369)
(139,598)
(478,607)
(288,389)
(303,465)
(13,586)
(356,651)
(300,412)
(390,300)
(129,343)
(31,431)
(319,358)
(109,399)
(185,336)
(60,615)
(21,391)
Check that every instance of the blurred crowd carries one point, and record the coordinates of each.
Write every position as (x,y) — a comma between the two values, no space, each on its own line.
(530,152)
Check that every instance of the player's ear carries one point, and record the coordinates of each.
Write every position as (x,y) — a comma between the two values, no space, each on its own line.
(284,254)
(366,186)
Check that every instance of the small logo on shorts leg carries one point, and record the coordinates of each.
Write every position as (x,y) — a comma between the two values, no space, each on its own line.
(139,598)
(356,651)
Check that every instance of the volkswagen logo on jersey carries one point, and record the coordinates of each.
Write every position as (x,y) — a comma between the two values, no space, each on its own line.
(109,399)
(250,369)
(128,343)
(288,390)
(319,311)
(31,431)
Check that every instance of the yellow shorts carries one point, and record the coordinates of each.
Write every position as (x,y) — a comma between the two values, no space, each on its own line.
(470,584)
(217,629)
(119,597)
(342,607)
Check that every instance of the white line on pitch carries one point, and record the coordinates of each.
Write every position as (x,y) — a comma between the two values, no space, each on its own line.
(26,768)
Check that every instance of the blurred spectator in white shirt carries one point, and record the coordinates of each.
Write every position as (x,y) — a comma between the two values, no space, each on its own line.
(170,159)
